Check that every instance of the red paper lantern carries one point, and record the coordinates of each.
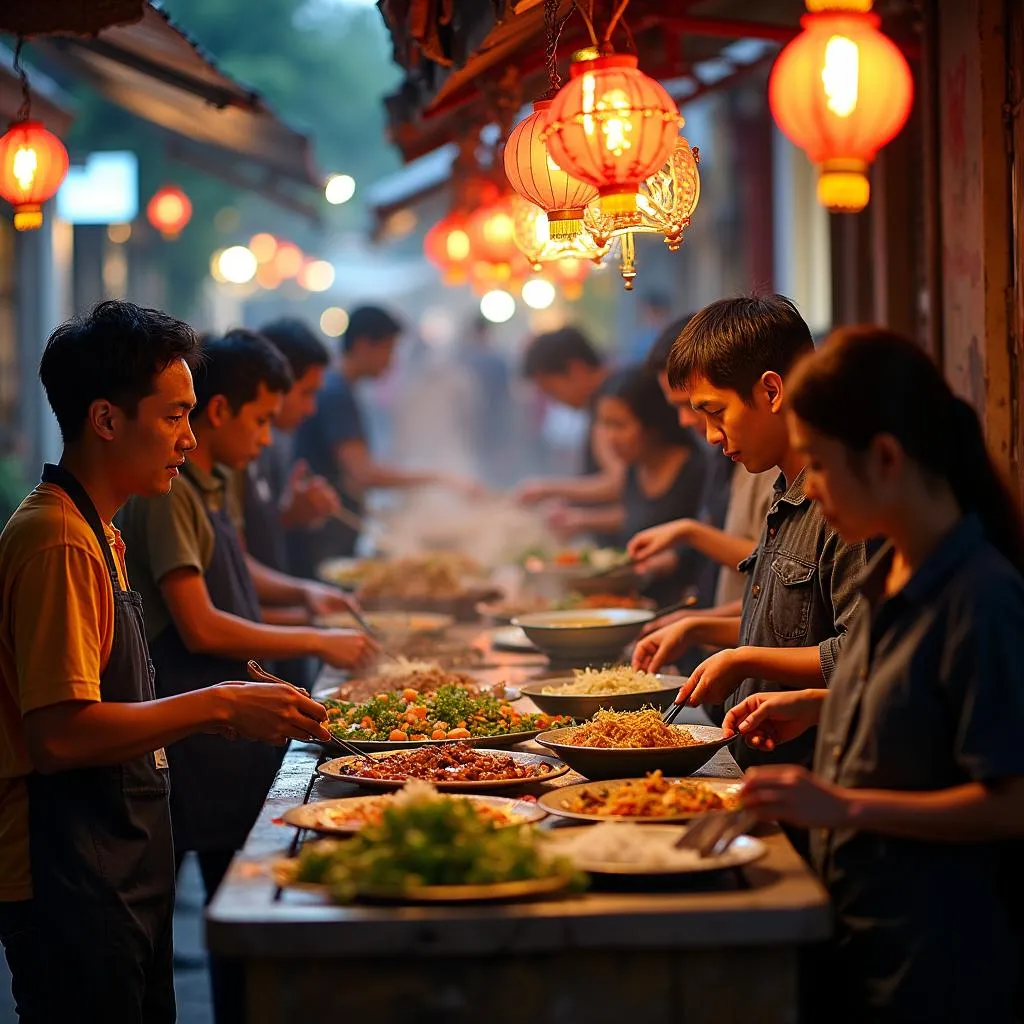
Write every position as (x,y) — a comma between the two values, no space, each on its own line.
(491,231)
(33,163)
(840,91)
(169,211)
(570,275)
(447,246)
(611,126)
(536,177)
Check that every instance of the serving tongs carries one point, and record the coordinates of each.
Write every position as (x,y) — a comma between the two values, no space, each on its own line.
(611,570)
(713,833)
(258,672)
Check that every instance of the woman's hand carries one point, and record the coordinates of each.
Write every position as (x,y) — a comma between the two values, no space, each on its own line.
(766,720)
(647,543)
(322,599)
(788,792)
(346,648)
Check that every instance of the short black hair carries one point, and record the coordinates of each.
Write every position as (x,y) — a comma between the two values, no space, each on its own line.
(657,356)
(369,323)
(637,387)
(235,366)
(733,342)
(114,352)
(553,351)
(298,343)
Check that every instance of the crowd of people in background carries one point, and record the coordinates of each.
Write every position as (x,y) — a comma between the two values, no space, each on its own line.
(849,556)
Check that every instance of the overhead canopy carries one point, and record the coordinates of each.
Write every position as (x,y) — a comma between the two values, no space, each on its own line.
(153,69)
(464,59)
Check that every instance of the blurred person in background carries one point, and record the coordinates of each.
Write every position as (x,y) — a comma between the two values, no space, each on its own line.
(279,493)
(491,404)
(334,441)
(655,309)
(665,468)
(569,370)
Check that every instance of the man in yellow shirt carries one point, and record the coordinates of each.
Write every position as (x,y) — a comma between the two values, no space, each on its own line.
(86,863)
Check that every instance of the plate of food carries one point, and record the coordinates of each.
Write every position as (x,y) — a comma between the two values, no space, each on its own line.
(454,767)
(402,674)
(348,815)
(346,573)
(625,744)
(465,856)
(624,848)
(513,640)
(588,690)
(401,719)
(504,611)
(653,799)
(393,624)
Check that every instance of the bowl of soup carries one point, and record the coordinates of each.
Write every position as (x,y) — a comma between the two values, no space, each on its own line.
(584,636)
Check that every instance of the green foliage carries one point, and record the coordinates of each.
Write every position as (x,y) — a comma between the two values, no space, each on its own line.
(322,66)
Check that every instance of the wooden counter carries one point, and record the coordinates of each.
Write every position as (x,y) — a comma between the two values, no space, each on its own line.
(717,950)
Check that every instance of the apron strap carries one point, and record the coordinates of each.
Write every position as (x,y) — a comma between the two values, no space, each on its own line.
(60,477)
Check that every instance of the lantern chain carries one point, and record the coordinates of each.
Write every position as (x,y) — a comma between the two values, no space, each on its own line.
(26,96)
(553,26)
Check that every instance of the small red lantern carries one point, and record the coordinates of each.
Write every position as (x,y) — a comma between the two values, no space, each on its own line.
(611,126)
(535,176)
(491,230)
(840,91)
(447,246)
(33,164)
(570,275)
(169,211)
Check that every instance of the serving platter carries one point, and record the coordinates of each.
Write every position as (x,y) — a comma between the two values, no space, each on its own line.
(311,815)
(742,851)
(557,801)
(513,640)
(501,742)
(337,770)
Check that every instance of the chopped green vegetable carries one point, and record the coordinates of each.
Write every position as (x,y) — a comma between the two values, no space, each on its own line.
(441,841)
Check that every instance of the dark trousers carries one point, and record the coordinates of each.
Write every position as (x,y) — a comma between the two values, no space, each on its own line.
(227,978)
(36,974)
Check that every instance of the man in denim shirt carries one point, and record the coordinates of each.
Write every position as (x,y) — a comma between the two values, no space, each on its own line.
(801,589)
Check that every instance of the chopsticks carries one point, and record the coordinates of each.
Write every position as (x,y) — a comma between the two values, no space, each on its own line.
(257,671)
(611,570)
(349,518)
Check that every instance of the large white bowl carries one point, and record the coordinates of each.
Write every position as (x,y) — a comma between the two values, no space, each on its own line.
(586,635)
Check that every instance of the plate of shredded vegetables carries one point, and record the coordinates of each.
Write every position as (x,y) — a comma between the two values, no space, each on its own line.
(589,689)
(432,848)
(351,814)
(652,799)
(408,718)
(623,744)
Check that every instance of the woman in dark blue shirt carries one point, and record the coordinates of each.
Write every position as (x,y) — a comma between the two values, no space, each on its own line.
(916,801)
(665,469)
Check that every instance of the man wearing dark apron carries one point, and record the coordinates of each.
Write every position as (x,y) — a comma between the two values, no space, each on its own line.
(86,860)
(100,838)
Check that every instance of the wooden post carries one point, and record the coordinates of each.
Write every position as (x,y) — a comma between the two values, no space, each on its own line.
(974,168)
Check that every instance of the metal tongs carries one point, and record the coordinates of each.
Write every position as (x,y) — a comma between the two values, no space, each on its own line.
(258,672)
(712,834)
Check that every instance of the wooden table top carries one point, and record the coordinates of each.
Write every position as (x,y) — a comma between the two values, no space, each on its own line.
(775,901)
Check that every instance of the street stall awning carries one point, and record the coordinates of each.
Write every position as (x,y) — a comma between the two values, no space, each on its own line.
(154,70)
(464,59)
